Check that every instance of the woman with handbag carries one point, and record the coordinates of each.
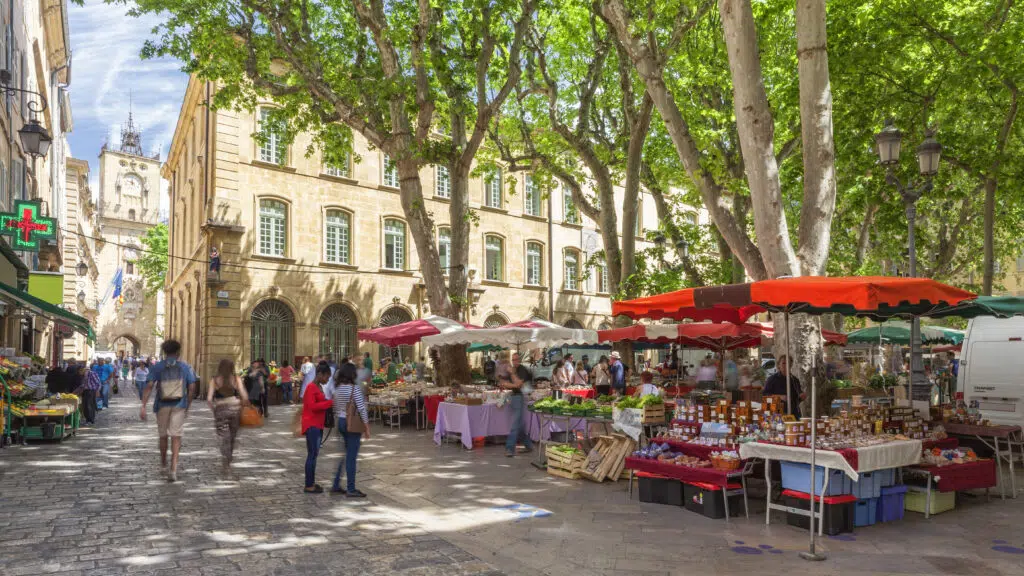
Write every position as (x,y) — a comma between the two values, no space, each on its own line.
(353,425)
(314,410)
(226,395)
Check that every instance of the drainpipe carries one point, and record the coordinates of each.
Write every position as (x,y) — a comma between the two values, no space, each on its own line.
(551,263)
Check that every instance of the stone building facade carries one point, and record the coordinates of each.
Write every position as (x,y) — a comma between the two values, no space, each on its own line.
(128,207)
(81,274)
(311,253)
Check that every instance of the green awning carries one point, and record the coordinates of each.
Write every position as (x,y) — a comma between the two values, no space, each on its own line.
(895,332)
(48,310)
(998,306)
(483,348)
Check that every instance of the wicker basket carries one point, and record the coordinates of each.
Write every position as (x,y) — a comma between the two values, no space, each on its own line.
(727,464)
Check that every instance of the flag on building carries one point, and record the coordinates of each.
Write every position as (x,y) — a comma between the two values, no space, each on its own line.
(118,283)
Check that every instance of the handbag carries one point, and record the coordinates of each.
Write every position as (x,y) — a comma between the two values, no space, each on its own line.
(297,423)
(329,419)
(250,417)
(353,421)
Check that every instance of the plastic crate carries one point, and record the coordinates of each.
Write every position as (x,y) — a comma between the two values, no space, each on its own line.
(796,477)
(890,504)
(869,485)
(656,489)
(915,500)
(708,500)
(888,477)
(837,515)
(865,512)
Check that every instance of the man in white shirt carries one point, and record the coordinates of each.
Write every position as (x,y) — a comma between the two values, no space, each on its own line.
(308,374)
(570,369)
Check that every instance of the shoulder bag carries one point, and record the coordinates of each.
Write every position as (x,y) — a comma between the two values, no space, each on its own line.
(353,420)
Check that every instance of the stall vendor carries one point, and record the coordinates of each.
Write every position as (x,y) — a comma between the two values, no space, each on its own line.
(647,385)
(392,370)
(776,386)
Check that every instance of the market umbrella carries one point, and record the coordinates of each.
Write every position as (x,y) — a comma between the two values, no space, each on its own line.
(412,332)
(527,334)
(483,348)
(947,348)
(998,306)
(897,332)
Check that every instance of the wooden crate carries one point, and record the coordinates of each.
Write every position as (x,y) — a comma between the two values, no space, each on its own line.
(563,460)
(563,473)
(653,414)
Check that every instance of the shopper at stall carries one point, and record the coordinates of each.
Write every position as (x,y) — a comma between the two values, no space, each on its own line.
(392,370)
(421,369)
(314,410)
(174,384)
(349,402)
(776,386)
(647,385)
(707,375)
(558,375)
(254,384)
(617,370)
(519,378)
(88,387)
(580,376)
(308,371)
(601,377)
(141,375)
(284,377)
(586,364)
(570,368)
(226,395)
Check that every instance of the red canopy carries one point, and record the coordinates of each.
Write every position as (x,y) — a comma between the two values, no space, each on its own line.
(412,332)
(948,348)
(872,296)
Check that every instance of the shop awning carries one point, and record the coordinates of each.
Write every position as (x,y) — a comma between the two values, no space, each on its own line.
(47,310)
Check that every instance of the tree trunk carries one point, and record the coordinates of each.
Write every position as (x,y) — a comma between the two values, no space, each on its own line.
(756,129)
(816,134)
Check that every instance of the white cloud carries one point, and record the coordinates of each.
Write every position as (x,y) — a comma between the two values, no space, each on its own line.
(107,72)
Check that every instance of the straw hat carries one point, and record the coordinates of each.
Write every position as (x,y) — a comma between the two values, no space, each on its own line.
(616,355)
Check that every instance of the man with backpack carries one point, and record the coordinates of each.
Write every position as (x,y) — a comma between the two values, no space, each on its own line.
(174,382)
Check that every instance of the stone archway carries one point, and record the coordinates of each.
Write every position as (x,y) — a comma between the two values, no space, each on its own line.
(126,345)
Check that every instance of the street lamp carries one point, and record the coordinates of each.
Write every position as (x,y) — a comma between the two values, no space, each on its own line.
(82,268)
(928,155)
(35,140)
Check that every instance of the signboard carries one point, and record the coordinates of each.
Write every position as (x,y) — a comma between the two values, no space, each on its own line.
(47,286)
(26,226)
(223,294)
(223,304)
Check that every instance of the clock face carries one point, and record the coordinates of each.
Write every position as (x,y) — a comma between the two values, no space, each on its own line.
(132,185)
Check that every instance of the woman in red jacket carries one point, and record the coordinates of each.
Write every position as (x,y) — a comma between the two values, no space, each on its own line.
(314,412)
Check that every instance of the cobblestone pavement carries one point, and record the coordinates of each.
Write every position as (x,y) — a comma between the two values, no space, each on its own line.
(97,504)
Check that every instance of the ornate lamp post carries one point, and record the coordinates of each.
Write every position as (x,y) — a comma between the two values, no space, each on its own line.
(928,155)
(35,140)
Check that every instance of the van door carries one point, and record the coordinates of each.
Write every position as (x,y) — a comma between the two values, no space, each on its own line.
(995,379)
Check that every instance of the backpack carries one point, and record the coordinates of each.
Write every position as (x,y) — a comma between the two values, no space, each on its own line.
(172,382)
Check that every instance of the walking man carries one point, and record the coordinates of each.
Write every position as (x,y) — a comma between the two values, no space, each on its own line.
(174,383)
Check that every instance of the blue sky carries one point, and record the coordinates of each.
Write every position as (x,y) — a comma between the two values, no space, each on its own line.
(107,71)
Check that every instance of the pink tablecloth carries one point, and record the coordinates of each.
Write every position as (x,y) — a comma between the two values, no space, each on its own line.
(551,424)
(472,421)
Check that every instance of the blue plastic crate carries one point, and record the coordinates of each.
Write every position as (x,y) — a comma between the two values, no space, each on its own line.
(869,485)
(797,476)
(887,477)
(890,504)
(865,512)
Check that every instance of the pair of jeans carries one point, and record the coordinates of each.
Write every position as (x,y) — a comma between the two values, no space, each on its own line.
(351,442)
(313,436)
(104,397)
(89,405)
(286,390)
(140,385)
(517,431)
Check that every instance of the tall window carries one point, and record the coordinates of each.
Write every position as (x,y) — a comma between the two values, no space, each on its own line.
(392,317)
(444,248)
(131,213)
(270,336)
(337,234)
(273,228)
(273,149)
(390,172)
(129,268)
(340,170)
(690,217)
(442,182)
(534,264)
(394,244)
(18,178)
(572,215)
(492,189)
(572,270)
(494,255)
(338,332)
(601,277)
(532,197)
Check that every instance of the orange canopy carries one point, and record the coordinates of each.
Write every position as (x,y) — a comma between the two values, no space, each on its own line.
(877,297)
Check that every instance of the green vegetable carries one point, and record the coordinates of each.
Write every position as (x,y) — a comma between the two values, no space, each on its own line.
(651,400)
(628,402)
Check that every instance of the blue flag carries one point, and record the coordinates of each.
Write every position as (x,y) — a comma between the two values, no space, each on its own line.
(118,282)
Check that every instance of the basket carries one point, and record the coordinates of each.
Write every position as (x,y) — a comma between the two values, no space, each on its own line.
(726,464)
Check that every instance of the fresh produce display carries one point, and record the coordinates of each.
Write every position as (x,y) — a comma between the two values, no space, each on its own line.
(939,457)
(566,449)
(549,404)
(634,402)
(606,399)
(663,453)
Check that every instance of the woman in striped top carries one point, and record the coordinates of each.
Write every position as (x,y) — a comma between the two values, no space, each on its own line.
(346,391)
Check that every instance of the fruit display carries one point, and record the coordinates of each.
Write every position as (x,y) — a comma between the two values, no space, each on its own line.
(663,453)
(939,457)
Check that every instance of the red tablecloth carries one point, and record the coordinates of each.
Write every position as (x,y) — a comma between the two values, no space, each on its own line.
(944,444)
(589,393)
(966,476)
(983,431)
(430,404)
(684,473)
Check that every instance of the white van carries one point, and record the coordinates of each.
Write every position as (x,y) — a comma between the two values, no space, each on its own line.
(992,368)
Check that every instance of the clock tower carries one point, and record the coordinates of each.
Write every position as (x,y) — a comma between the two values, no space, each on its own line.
(128,207)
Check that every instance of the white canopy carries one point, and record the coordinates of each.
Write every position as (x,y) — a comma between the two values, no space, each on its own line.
(522,335)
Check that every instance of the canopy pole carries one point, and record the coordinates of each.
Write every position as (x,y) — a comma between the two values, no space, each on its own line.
(789,368)
(811,554)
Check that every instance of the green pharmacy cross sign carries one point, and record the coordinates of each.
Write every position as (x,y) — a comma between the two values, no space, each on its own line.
(26,226)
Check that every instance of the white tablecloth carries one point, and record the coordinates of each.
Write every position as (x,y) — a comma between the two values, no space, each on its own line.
(869,459)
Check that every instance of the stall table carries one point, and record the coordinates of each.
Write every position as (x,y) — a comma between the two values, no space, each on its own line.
(471,421)
(1010,435)
(851,461)
(586,394)
(957,477)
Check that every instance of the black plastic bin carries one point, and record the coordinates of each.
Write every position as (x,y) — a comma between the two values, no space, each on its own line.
(837,516)
(656,489)
(707,500)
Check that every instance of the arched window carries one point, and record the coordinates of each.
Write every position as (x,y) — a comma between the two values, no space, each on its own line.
(393,317)
(273,228)
(573,323)
(338,332)
(271,335)
(394,244)
(534,264)
(604,326)
(571,274)
(444,249)
(337,234)
(131,213)
(494,258)
(495,319)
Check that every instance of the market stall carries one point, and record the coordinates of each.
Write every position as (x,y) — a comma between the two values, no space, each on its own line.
(1000,439)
